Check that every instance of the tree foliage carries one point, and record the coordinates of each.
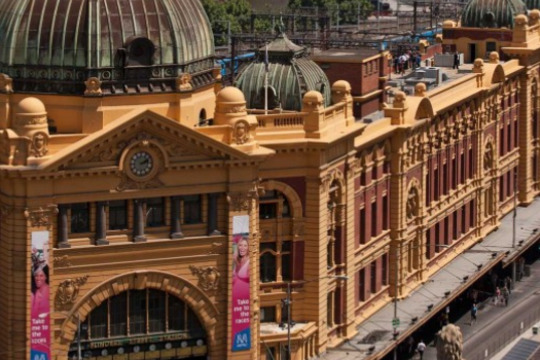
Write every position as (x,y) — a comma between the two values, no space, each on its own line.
(225,15)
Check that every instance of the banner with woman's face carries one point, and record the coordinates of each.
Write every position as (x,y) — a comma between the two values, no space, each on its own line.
(40,334)
(241,320)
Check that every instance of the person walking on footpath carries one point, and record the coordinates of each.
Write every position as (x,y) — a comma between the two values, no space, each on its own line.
(497,296)
(456,61)
(505,295)
(421,348)
(474,310)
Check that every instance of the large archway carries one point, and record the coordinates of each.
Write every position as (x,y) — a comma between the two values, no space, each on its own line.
(145,324)
(154,285)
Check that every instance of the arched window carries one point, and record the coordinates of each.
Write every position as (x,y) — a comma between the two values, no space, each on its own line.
(139,52)
(138,321)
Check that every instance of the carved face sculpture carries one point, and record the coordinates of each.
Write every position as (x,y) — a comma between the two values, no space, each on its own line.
(241,132)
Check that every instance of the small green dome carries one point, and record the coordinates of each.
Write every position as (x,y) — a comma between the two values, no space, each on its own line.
(532,4)
(491,13)
(290,75)
(132,46)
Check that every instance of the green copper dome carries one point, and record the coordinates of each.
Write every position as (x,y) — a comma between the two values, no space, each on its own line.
(532,4)
(491,13)
(290,75)
(130,45)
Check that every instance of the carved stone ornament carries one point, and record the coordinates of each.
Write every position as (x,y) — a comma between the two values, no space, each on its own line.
(488,157)
(68,290)
(208,277)
(6,84)
(241,132)
(5,211)
(183,82)
(41,217)
(412,203)
(215,248)
(61,261)
(239,201)
(39,145)
(93,87)
(450,343)
(127,183)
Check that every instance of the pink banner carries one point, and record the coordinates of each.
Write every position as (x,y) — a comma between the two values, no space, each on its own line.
(40,334)
(241,321)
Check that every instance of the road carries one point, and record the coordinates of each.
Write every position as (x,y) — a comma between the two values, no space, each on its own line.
(503,324)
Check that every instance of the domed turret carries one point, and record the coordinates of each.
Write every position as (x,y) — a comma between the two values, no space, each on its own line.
(290,75)
(491,13)
(532,4)
(53,46)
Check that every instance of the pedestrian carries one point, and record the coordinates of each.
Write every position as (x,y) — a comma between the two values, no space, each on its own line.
(508,284)
(421,348)
(497,296)
(474,310)
(456,61)
(505,295)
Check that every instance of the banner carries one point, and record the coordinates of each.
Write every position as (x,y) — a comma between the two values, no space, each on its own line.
(40,334)
(241,330)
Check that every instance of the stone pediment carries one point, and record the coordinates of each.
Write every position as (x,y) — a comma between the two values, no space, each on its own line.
(175,145)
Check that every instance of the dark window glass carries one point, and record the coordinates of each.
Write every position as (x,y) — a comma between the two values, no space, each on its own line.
(155,212)
(268,314)
(268,211)
(286,212)
(117,215)
(194,325)
(80,218)
(329,310)
(267,246)
(137,312)
(374,219)
(271,353)
(373,274)
(362,285)
(192,209)
(268,267)
(156,311)
(385,269)
(98,321)
(177,314)
(362,225)
(286,267)
(118,315)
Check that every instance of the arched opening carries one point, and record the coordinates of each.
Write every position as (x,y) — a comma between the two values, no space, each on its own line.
(140,52)
(145,324)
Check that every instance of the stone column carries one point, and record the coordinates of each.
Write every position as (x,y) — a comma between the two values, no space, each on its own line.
(213,214)
(62,240)
(138,221)
(176,228)
(101,223)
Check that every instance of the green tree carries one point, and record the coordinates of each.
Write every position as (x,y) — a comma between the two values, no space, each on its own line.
(224,14)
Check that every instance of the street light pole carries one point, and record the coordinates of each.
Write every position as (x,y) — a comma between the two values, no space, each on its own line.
(288,304)
(79,349)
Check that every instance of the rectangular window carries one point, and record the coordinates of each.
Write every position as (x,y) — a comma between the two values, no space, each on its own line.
(385,269)
(267,262)
(362,285)
(156,311)
(428,187)
(373,277)
(192,209)
(286,264)
(501,188)
(501,141)
(463,217)
(462,167)
(118,314)
(118,215)
(386,215)
(80,218)
(268,314)
(445,179)
(373,219)
(177,314)
(362,225)
(137,312)
(155,212)
(516,133)
(268,210)
(491,46)
(436,182)
(98,321)
(471,163)
(329,309)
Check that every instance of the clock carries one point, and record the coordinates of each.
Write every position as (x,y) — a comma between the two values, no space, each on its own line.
(141,163)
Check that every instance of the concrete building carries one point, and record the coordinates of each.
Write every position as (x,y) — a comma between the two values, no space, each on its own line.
(147,213)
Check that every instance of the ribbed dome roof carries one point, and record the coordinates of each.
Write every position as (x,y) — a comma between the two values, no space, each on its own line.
(290,75)
(491,13)
(47,45)
(532,4)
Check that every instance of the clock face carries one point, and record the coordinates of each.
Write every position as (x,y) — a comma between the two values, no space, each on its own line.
(141,163)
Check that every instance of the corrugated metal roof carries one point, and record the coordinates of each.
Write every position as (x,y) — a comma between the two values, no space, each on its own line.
(532,4)
(523,350)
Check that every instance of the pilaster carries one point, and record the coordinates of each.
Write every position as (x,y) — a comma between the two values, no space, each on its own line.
(525,175)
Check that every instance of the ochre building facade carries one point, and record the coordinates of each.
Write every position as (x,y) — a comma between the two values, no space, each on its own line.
(132,227)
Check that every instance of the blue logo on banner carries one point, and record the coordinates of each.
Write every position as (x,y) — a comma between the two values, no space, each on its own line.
(38,355)
(242,340)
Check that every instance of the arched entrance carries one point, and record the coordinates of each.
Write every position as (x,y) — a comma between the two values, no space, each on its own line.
(141,324)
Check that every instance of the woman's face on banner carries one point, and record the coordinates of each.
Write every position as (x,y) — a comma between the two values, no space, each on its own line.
(40,278)
(242,247)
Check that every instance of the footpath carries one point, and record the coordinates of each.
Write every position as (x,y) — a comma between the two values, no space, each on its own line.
(481,338)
